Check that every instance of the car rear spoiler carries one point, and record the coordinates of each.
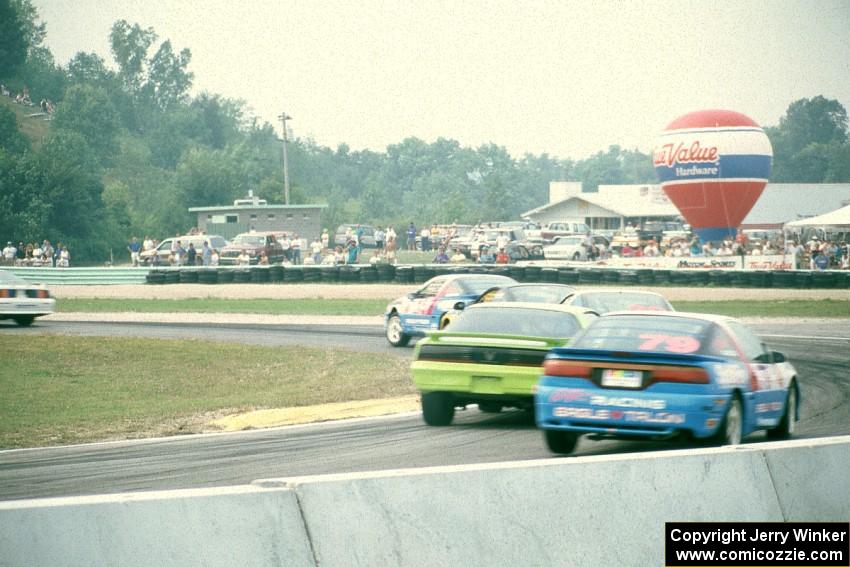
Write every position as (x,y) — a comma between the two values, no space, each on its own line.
(635,356)
(496,339)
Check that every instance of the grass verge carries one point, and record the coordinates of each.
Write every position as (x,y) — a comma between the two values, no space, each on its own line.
(773,308)
(64,390)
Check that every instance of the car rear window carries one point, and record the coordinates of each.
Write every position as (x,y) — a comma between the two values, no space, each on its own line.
(517,321)
(478,286)
(648,334)
(607,302)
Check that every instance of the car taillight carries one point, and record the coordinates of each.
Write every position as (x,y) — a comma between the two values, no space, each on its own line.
(42,294)
(4,293)
(569,368)
(681,375)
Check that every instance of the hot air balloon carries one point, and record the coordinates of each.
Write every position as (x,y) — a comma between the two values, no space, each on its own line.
(713,165)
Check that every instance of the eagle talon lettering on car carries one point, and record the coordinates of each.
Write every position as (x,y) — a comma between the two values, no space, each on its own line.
(659,374)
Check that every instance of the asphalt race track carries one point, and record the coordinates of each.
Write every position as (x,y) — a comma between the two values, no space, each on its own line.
(819,351)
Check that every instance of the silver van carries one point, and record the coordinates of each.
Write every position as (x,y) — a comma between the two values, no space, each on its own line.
(163,250)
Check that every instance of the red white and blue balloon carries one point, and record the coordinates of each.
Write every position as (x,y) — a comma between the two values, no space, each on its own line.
(713,165)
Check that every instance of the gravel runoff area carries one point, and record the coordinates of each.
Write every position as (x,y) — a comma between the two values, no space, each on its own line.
(392,291)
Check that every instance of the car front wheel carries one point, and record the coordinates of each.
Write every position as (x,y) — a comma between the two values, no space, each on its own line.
(24,320)
(438,408)
(395,332)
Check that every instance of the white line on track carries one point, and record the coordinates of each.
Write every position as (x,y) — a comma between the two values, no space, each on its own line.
(808,337)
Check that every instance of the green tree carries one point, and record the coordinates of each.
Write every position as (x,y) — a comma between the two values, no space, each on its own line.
(24,211)
(130,46)
(11,138)
(168,80)
(13,41)
(88,111)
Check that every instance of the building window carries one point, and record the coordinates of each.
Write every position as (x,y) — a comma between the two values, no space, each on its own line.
(253,217)
(232,219)
(306,216)
(271,217)
(289,216)
(209,217)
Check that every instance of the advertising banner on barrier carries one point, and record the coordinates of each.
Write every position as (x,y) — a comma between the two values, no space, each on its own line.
(772,262)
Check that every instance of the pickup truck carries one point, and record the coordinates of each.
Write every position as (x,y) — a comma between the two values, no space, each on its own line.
(553,230)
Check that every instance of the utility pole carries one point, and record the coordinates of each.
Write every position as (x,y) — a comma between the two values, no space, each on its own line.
(283,118)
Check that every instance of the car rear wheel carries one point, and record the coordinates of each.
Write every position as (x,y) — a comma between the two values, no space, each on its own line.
(24,320)
(561,442)
(785,428)
(438,408)
(731,430)
(395,333)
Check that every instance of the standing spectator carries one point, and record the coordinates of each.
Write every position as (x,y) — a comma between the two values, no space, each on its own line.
(64,258)
(502,257)
(316,248)
(214,258)
(9,253)
(426,238)
(296,249)
(21,253)
(391,248)
(391,235)
(264,259)
(47,250)
(286,246)
(651,249)
(147,243)
(178,255)
(135,247)
(707,249)
(243,259)
(326,239)
(206,253)
(191,254)
(380,235)
(411,237)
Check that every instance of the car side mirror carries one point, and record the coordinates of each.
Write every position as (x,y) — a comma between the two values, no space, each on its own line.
(460,305)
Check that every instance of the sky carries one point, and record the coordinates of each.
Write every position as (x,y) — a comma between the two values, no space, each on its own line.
(563,78)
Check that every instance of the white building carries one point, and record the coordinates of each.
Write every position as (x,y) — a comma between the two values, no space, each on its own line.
(613,206)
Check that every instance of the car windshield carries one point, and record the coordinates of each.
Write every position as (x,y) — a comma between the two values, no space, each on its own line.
(534,294)
(478,286)
(517,321)
(10,279)
(249,240)
(605,302)
(648,333)
(572,241)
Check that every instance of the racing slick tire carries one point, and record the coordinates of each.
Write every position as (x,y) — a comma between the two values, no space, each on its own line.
(438,408)
(24,320)
(490,407)
(785,428)
(561,442)
(394,332)
(731,429)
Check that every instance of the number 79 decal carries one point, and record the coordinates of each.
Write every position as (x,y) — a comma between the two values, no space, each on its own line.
(683,344)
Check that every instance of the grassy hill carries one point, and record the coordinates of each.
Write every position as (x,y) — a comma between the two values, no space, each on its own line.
(33,127)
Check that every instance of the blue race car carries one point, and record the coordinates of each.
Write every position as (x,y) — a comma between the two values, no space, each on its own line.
(661,374)
(421,310)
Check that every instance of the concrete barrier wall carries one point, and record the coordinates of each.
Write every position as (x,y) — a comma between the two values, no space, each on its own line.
(244,526)
(589,511)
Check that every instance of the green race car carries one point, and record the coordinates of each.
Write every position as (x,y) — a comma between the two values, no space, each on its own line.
(492,356)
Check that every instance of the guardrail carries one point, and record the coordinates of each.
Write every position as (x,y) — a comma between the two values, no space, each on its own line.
(568,273)
(607,510)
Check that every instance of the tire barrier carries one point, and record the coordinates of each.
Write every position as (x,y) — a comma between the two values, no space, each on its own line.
(409,274)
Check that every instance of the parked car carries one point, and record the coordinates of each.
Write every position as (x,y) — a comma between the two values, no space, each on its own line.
(163,250)
(553,230)
(518,247)
(608,300)
(23,301)
(421,310)
(491,356)
(572,248)
(367,239)
(659,375)
(255,244)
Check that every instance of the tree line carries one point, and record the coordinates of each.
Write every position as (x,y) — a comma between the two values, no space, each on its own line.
(129,149)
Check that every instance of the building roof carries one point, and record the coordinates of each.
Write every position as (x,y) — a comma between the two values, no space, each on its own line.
(254,208)
(778,204)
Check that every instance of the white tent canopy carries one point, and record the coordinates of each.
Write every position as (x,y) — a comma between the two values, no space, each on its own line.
(835,219)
